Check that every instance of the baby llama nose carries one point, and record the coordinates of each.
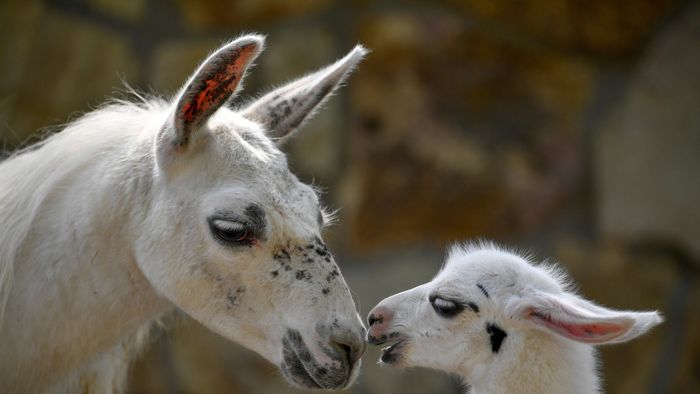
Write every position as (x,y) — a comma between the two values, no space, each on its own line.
(379,319)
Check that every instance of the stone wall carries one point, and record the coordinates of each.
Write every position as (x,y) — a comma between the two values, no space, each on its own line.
(570,128)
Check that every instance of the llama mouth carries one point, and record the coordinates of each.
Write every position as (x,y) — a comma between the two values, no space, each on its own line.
(293,368)
(301,368)
(391,354)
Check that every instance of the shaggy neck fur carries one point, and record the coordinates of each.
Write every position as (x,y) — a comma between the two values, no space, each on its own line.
(537,363)
(73,204)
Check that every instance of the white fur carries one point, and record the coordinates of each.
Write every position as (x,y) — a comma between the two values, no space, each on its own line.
(534,357)
(99,241)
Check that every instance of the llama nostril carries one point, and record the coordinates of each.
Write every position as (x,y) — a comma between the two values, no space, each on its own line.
(374,319)
(345,352)
(380,315)
(349,348)
(380,320)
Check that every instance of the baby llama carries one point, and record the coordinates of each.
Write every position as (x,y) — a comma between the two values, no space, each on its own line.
(503,324)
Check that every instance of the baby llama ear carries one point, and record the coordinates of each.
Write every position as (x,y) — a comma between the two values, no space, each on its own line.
(212,84)
(578,319)
(282,111)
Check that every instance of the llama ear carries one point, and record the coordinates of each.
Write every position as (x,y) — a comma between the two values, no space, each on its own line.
(580,320)
(214,82)
(284,110)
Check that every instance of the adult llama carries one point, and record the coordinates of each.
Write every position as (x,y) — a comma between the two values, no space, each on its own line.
(137,209)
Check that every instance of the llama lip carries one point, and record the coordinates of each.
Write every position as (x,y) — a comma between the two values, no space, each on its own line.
(302,369)
(390,354)
(294,368)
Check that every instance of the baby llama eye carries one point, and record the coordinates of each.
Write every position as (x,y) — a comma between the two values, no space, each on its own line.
(445,308)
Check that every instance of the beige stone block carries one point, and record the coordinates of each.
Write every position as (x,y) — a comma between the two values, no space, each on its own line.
(598,27)
(18,27)
(648,152)
(459,134)
(70,67)
(207,14)
(130,10)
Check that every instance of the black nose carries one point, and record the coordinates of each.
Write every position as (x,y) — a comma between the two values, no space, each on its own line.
(349,346)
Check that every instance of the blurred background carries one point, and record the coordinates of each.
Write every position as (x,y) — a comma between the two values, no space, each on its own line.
(570,128)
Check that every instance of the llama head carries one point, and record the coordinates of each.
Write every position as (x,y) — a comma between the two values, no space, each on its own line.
(232,237)
(485,307)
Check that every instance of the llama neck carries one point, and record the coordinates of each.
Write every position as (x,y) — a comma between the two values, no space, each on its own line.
(538,364)
(77,290)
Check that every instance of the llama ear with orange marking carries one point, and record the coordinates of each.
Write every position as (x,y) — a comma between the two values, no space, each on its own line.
(284,110)
(214,83)
(580,320)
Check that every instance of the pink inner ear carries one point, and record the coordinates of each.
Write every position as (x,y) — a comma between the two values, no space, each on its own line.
(218,85)
(584,332)
(200,103)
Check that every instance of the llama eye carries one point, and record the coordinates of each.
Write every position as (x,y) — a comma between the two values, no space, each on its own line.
(445,308)
(234,233)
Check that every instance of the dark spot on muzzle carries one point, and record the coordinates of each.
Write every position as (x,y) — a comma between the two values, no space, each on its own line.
(303,275)
(233,297)
(332,275)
